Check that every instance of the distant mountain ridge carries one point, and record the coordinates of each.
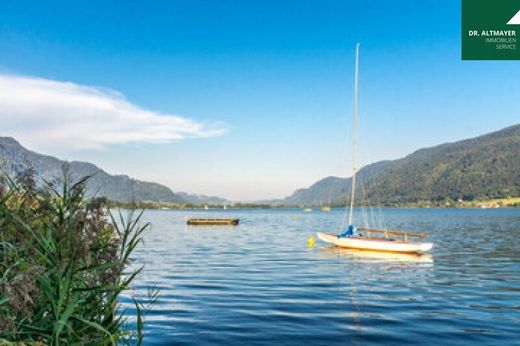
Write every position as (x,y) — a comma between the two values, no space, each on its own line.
(121,188)
(195,199)
(486,166)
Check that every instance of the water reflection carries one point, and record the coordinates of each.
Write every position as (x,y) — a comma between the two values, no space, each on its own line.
(259,283)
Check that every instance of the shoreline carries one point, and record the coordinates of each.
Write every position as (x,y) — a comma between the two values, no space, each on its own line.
(315,209)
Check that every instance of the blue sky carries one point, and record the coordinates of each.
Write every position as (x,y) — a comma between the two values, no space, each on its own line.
(248,99)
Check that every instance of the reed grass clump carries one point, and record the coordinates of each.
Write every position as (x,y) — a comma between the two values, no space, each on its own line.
(64,261)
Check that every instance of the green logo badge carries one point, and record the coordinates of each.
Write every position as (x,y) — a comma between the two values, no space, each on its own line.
(490,29)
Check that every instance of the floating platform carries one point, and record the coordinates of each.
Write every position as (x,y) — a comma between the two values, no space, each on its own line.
(212,222)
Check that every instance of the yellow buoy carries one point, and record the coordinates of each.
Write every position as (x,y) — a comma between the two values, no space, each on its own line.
(310,241)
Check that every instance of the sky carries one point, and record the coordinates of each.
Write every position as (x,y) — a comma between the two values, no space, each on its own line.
(247,100)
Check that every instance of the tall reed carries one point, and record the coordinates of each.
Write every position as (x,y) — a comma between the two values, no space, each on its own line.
(64,262)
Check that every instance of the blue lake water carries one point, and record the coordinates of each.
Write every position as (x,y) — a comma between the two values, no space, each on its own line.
(260,284)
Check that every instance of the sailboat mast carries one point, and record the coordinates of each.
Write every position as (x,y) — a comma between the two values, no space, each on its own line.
(354,144)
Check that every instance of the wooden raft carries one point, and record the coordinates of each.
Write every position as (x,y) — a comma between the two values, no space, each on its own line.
(208,222)
(405,235)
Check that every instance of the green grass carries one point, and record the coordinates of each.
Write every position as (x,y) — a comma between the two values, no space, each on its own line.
(64,261)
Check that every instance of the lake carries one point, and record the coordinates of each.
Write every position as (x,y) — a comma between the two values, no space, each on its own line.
(260,284)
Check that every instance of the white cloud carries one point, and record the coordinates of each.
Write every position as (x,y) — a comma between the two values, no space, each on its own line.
(47,114)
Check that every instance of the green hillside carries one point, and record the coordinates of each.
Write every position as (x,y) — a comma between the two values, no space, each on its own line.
(484,167)
(14,158)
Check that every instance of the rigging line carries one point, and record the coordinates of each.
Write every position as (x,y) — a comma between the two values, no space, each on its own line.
(369,216)
(363,204)
(368,205)
(380,213)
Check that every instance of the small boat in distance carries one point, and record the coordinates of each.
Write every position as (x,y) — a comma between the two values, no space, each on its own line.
(212,222)
(325,209)
(362,238)
(307,210)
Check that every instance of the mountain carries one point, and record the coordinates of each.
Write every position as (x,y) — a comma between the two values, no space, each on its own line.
(194,199)
(483,167)
(330,190)
(14,158)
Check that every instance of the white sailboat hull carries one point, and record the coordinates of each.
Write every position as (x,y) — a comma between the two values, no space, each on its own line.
(362,243)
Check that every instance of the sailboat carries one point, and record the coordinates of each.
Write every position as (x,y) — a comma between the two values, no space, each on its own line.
(370,238)
(325,208)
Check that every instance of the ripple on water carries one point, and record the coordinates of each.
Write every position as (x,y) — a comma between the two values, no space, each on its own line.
(259,283)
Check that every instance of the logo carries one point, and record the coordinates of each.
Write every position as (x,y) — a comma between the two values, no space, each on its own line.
(515,20)
(489,30)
